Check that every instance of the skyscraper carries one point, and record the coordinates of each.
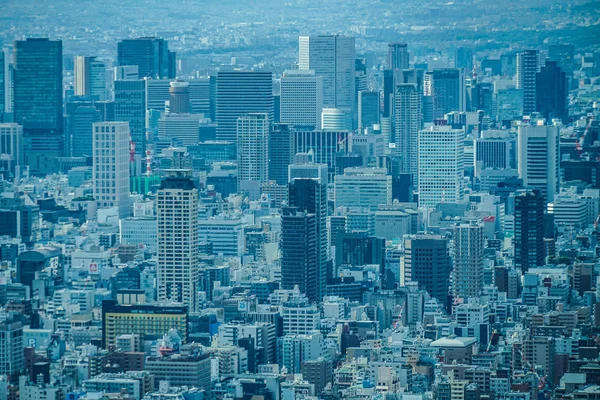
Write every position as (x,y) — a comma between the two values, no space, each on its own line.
(467,257)
(427,261)
(179,97)
(299,255)
(4,83)
(441,165)
(80,132)
(408,121)
(281,147)
(333,58)
(253,148)
(150,54)
(178,272)
(90,77)
(448,91)
(301,98)
(463,58)
(529,229)
(111,165)
(130,106)
(240,93)
(538,158)
(310,196)
(527,68)
(368,109)
(38,97)
(11,147)
(551,88)
(397,56)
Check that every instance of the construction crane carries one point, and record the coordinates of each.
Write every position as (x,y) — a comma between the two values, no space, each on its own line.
(541,379)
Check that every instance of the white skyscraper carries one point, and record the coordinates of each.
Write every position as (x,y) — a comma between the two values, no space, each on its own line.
(178,272)
(301,98)
(332,57)
(538,158)
(253,147)
(441,165)
(408,117)
(111,165)
(467,255)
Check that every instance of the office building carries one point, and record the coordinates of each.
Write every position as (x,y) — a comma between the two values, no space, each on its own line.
(527,68)
(333,58)
(80,131)
(130,106)
(299,255)
(38,101)
(225,235)
(178,274)
(193,370)
(90,78)
(397,56)
(150,54)
(310,196)
(141,319)
(12,362)
(111,165)
(5,85)
(508,105)
(336,119)
(538,158)
(427,262)
(200,98)
(463,58)
(281,147)
(240,93)
(448,91)
(301,100)
(157,94)
(467,257)
(253,148)
(295,349)
(183,128)
(441,164)
(551,87)
(324,144)
(408,119)
(11,147)
(179,97)
(529,229)
(363,187)
(368,109)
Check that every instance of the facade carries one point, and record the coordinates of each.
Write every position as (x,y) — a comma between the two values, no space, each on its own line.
(363,187)
(336,119)
(332,57)
(150,54)
(397,56)
(467,257)
(11,147)
(301,100)
(253,148)
(111,165)
(11,347)
(324,144)
(539,157)
(226,235)
(130,106)
(552,89)
(240,93)
(90,78)
(529,229)
(281,147)
(38,101)
(178,275)
(448,91)
(192,370)
(184,128)
(80,136)
(368,109)
(441,164)
(139,231)
(179,97)
(408,119)
(527,68)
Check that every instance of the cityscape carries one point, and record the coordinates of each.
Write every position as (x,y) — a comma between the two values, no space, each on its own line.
(301,200)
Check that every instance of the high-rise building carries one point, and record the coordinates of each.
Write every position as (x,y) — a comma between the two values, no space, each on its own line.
(333,58)
(240,93)
(448,91)
(179,97)
(336,119)
(551,88)
(529,229)
(12,362)
(427,261)
(111,165)
(281,147)
(90,78)
(158,94)
(182,127)
(408,121)
(11,147)
(178,272)
(310,196)
(150,54)
(4,83)
(463,58)
(38,101)
(301,100)
(538,158)
(200,99)
(299,255)
(467,257)
(253,148)
(527,68)
(324,144)
(80,131)
(397,56)
(441,165)
(130,106)
(363,187)
(368,109)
